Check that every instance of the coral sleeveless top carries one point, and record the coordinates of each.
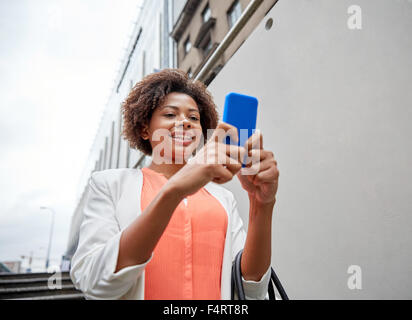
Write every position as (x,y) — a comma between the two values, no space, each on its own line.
(187,260)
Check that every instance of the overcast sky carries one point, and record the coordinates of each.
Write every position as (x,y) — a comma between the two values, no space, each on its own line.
(58,62)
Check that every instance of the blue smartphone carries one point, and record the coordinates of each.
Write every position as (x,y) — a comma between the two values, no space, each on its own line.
(240,111)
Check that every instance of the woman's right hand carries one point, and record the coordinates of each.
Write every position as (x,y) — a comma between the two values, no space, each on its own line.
(216,161)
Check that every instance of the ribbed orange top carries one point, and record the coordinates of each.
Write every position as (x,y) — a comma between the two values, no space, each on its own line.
(187,260)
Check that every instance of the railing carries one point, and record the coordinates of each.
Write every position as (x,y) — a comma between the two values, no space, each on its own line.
(228,39)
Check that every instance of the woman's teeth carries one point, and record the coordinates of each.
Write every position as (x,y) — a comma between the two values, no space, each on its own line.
(182,138)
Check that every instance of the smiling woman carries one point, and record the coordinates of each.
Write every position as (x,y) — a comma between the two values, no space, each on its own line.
(177,121)
(169,230)
(153,91)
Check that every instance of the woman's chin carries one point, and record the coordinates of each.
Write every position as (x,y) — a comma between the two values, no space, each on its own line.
(175,153)
(182,153)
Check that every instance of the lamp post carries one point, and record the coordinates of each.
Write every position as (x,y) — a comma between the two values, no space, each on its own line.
(51,235)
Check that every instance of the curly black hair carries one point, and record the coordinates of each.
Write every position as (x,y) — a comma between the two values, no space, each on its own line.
(150,92)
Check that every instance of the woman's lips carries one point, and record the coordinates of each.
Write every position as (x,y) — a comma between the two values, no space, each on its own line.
(181,139)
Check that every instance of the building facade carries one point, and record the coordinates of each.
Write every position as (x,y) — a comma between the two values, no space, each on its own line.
(201,27)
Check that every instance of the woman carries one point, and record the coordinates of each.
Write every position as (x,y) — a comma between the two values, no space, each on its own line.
(170,230)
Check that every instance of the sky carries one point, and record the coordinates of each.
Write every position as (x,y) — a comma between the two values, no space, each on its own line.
(58,63)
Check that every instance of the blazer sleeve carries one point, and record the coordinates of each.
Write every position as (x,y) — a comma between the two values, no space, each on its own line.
(254,290)
(95,260)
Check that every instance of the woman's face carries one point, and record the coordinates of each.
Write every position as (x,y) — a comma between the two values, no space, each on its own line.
(174,130)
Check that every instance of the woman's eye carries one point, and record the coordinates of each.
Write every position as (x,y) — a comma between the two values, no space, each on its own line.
(171,115)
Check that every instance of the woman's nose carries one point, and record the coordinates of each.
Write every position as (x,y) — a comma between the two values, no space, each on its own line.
(185,123)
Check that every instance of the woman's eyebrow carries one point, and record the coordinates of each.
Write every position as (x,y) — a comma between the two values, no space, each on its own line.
(177,108)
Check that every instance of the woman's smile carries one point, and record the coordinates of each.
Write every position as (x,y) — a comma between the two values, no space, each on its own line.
(182,138)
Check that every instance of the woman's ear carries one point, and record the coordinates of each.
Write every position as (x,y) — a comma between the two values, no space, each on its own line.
(145,133)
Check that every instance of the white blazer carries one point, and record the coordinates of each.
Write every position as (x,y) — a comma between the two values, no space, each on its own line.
(112,204)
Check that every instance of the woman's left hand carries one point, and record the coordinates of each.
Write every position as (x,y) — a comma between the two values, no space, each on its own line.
(260,176)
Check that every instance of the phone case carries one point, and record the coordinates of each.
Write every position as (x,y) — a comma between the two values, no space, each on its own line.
(240,111)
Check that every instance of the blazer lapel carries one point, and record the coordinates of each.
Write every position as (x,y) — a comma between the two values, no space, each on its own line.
(128,206)
(225,286)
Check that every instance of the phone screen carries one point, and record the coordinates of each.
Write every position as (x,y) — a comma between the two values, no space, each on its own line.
(240,111)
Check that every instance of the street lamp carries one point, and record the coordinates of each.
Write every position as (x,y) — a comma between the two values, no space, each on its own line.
(51,234)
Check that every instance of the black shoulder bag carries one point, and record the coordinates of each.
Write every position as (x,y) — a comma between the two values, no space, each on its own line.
(238,285)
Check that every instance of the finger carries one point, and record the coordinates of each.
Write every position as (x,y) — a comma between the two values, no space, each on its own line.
(260,167)
(223,130)
(246,181)
(269,175)
(234,153)
(237,153)
(255,141)
(256,166)
(221,174)
(233,167)
(255,156)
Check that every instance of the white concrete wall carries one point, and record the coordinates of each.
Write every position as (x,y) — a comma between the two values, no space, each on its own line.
(335,108)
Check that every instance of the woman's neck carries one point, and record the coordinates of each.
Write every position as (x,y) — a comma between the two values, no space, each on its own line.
(165,168)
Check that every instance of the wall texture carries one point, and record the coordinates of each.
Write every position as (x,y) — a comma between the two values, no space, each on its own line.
(335,108)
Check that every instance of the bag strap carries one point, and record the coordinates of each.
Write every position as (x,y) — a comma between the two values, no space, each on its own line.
(237,283)
(278,285)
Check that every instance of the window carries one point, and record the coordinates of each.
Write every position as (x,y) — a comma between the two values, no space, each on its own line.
(100,159)
(160,41)
(234,13)
(150,61)
(143,64)
(111,146)
(206,13)
(119,137)
(207,45)
(187,46)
